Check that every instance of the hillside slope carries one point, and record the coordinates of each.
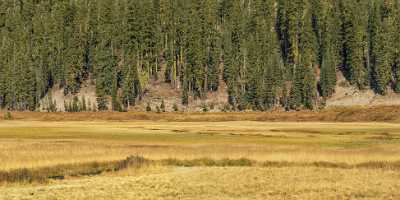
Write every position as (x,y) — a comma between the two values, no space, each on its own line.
(347,95)
(56,94)
(157,91)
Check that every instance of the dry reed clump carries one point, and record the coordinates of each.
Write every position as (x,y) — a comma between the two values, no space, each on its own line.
(42,175)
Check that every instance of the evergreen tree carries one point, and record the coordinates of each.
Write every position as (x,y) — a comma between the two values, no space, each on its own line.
(102,103)
(162,106)
(75,105)
(268,52)
(74,51)
(148,107)
(328,74)
(84,106)
(396,45)
(353,44)
(329,54)
(379,44)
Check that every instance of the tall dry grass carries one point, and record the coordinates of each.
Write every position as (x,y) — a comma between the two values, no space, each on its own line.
(199,160)
(44,174)
(225,183)
(37,144)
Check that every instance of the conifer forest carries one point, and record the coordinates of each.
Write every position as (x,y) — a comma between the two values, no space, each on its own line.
(269,53)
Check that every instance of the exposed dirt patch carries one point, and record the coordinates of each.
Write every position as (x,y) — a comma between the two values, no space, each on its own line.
(346,95)
(88,91)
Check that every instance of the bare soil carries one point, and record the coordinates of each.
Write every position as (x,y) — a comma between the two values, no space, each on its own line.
(347,95)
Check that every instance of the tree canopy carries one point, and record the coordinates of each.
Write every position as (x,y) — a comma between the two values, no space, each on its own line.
(269,52)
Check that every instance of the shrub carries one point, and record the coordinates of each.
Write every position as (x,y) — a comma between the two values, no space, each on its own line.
(204,108)
(89,106)
(102,103)
(70,107)
(158,109)
(162,106)
(185,98)
(117,105)
(8,116)
(50,105)
(322,104)
(226,108)
(148,107)
(212,106)
(42,175)
(67,107)
(83,103)
(241,107)
(94,109)
(175,107)
(242,162)
(53,106)
(75,105)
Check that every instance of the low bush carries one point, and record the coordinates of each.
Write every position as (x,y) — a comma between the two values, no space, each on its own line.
(204,108)
(7,116)
(162,106)
(148,107)
(42,175)
(208,162)
(175,107)
(158,109)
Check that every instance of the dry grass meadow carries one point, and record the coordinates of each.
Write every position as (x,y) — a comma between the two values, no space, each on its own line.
(198,160)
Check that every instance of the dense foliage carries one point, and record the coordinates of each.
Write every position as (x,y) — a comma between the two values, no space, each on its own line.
(269,52)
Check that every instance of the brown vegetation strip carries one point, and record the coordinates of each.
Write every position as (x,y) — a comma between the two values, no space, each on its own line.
(42,175)
(243,162)
(367,165)
(340,114)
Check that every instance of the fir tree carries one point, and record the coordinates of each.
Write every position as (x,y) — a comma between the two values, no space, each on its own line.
(353,44)
(263,50)
(162,106)
(84,106)
(329,54)
(380,47)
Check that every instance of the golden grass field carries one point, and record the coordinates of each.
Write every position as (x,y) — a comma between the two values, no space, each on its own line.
(308,160)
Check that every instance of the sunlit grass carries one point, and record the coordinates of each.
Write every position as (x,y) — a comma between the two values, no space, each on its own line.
(226,183)
(262,160)
(37,144)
